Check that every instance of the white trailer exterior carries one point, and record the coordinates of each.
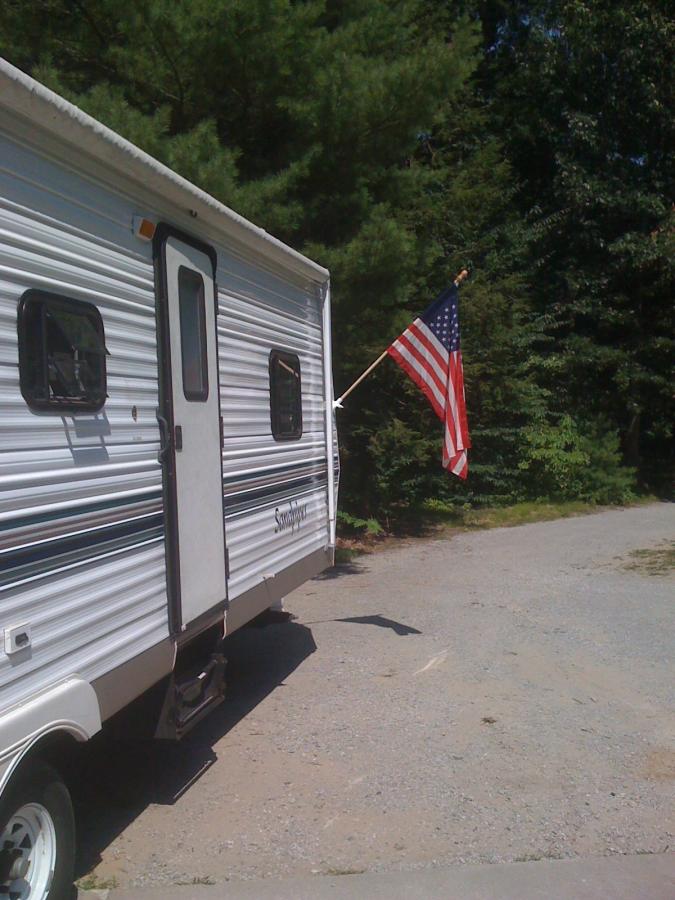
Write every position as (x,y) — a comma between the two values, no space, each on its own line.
(171,512)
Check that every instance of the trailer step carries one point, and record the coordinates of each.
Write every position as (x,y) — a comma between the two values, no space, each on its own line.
(190,696)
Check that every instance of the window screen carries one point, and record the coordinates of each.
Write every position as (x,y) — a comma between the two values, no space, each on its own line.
(193,334)
(285,396)
(62,355)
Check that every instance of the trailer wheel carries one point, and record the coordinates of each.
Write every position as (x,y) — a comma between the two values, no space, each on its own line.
(37,836)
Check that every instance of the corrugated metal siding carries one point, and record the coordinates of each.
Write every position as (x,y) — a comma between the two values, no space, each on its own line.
(259,312)
(81,527)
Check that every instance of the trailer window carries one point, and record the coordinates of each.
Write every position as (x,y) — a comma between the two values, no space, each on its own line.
(193,334)
(62,355)
(285,396)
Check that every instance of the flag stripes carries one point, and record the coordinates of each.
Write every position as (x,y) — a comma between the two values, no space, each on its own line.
(428,352)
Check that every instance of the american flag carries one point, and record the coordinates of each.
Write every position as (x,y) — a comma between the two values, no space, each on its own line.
(428,351)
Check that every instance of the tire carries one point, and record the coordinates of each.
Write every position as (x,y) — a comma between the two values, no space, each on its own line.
(37,836)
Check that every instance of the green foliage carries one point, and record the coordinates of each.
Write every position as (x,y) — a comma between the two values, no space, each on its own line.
(566,462)
(356,524)
(397,141)
(403,463)
(582,98)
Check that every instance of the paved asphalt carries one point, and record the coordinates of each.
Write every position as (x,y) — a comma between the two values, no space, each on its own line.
(502,696)
(599,878)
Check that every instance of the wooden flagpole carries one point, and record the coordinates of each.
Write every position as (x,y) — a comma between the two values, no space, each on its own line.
(337,404)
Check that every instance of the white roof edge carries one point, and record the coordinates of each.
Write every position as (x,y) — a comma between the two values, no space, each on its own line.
(48,110)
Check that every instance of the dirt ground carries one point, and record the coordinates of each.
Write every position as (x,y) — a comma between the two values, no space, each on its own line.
(501,695)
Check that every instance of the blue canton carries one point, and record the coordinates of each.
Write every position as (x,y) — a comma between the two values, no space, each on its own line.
(442,318)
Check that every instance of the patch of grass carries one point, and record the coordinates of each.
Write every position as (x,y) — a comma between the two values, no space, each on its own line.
(331,870)
(346,554)
(524,513)
(653,560)
(535,857)
(518,513)
(92,882)
(437,517)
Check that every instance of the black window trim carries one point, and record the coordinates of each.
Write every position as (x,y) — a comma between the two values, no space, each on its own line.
(190,395)
(54,405)
(291,359)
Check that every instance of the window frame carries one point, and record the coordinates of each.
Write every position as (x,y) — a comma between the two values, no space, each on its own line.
(293,360)
(192,396)
(51,405)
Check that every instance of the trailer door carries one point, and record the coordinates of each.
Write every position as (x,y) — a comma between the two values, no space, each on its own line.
(192,430)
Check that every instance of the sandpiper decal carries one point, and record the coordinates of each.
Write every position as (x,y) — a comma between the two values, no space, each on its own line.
(290,518)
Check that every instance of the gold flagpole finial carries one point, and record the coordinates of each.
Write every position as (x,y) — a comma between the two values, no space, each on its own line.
(460,278)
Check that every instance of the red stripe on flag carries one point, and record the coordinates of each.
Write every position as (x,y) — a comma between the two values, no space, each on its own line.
(424,339)
(458,465)
(461,402)
(412,349)
(417,378)
(449,434)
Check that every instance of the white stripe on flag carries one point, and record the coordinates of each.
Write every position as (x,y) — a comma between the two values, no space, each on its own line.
(450,448)
(421,371)
(428,333)
(428,356)
(459,465)
(452,400)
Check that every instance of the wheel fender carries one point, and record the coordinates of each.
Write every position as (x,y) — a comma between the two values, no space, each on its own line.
(71,707)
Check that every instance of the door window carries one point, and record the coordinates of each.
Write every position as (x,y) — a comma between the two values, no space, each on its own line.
(192,315)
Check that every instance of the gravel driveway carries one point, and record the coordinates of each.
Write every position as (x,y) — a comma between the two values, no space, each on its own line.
(499,695)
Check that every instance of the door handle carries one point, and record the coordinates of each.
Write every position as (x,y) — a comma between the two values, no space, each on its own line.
(164,439)
(178,439)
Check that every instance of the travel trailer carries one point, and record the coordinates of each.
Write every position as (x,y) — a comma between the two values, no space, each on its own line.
(168,459)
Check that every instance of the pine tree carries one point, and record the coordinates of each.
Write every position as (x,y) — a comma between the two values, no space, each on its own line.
(397,141)
(584,91)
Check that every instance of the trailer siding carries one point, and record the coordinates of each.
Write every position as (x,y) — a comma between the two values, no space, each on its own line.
(260,311)
(81,518)
(82,554)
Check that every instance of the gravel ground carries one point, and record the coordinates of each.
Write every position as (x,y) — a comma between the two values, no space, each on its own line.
(494,696)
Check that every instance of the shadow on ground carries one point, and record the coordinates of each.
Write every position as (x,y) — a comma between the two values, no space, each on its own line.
(376,619)
(116,780)
(382,622)
(339,570)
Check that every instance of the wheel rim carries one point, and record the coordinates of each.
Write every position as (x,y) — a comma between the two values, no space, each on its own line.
(28,848)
